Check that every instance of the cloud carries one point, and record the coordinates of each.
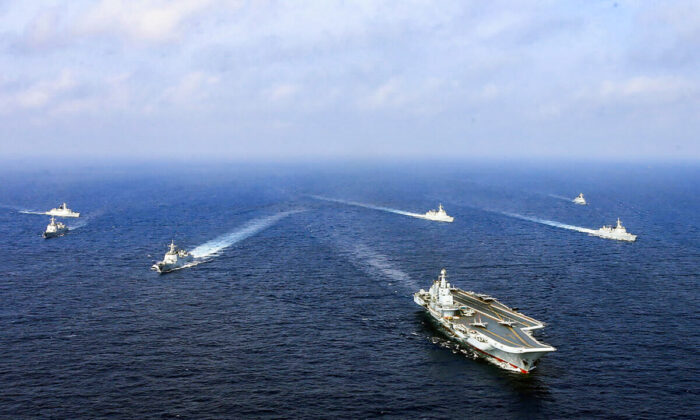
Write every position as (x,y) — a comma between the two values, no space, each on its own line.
(498,25)
(148,20)
(64,95)
(637,95)
(41,93)
(658,89)
(490,91)
(281,92)
(191,90)
(111,94)
(326,68)
(388,94)
(415,96)
(682,17)
(42,30)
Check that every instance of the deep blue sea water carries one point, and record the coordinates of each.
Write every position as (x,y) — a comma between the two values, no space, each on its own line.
(310,315)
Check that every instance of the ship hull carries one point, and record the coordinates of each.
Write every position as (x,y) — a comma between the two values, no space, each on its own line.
(627,238)
(518,360)
(448,219)
(507,361)
(167,268)
(49,235)
(62,214)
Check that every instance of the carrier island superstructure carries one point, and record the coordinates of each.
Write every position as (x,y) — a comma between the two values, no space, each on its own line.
(498,333)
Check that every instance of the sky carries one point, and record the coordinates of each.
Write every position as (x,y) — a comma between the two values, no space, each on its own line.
(409,79)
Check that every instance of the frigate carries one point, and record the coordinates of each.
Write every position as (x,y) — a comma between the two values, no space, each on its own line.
(175,258)
(500,334)
(438,215)
(63,211)
(55,229)
(618,233)
(580,200)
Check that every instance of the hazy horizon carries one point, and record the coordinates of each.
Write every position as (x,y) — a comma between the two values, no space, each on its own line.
(230,81)
(95,165)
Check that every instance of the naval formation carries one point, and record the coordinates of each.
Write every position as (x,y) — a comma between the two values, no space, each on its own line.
(496,332)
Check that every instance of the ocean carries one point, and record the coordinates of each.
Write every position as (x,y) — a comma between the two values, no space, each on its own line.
(302,307)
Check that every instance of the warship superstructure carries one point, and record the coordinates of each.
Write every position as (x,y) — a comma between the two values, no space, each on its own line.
(498,333)
(55,229)
(618,233)
(63,211)
(580,200)
(438,215)
(175,258)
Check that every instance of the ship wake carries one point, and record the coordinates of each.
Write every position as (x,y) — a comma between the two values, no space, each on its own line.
(84,220)
(13,207)
(32,212)
(377,264)
(370,206)
(215,246)
(549,222)
(560,197)
(78,225)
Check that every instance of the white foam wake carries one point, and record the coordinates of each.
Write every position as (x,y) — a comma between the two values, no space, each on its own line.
(370,206)
(32,212)
(78,225)
(561,197)
(378,264)
(12,207)
(549,222)
(213,247)
(84,220)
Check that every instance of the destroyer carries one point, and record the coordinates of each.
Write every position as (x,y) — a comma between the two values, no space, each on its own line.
(618,233)
(175,258)
(498,333)
(55,229)
(580,200)
(438,215)
(63,211)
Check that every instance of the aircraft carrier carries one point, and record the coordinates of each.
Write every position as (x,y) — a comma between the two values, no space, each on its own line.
(498,333)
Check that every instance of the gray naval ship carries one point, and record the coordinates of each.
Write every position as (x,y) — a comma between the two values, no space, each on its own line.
(63,211)
(175,258)
(498,333)
(55,229)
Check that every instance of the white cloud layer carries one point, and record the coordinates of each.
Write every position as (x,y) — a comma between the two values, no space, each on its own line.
(146,20)
(289,79)
(657,89)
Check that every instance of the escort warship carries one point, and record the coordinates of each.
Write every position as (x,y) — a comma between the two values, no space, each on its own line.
(498,333)
(63,211)
(580,200)
(175,258)
(618,233)
(55,229)
(438,215)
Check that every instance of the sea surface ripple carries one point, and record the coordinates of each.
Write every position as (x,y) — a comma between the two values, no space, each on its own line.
(312,316)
